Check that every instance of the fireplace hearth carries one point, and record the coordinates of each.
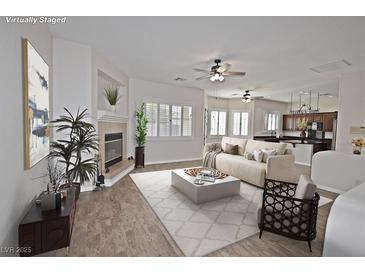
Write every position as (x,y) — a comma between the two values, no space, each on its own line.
(113,149)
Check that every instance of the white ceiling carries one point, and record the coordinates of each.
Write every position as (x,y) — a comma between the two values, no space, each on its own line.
(275,52)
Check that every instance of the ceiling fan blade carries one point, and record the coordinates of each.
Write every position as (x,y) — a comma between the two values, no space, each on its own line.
(234,73)
(257,97)
(202,70)
(203,77)
(223,68)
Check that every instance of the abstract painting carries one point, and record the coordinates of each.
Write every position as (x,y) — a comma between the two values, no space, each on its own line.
(36,105)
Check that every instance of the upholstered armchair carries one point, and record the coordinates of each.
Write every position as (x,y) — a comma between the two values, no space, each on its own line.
(289,209)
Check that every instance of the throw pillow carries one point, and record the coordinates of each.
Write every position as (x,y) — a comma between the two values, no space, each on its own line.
(305,188)
(268,153)
(248,156)
(231,149)
(258,155)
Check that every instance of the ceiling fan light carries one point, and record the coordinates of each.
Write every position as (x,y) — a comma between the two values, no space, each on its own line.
(216,76)
(212,78)
(221,78)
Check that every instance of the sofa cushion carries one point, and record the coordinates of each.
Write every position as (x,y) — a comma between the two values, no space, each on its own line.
(253,145)
(231,149)
(246,170)
(248,156)
(305,188)
(235,141)
(268,153)
(258,155)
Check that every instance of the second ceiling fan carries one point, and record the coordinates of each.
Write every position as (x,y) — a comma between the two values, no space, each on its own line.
(218,72)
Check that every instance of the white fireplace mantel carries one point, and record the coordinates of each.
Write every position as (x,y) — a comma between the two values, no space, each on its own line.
(109,116)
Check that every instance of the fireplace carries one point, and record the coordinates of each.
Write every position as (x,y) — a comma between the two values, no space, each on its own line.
(113,148)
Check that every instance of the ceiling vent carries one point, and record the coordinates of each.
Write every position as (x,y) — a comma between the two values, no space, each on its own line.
(338,65)
(180,79)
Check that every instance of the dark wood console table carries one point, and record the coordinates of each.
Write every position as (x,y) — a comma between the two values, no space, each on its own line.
(42,231)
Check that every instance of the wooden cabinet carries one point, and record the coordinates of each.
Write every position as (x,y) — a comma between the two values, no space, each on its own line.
(328,119)
(290,121)
(42,231)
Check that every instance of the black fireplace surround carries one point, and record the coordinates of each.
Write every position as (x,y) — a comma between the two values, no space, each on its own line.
(113,149)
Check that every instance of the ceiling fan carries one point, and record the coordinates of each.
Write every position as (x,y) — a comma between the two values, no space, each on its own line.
(218,72)
(246,97)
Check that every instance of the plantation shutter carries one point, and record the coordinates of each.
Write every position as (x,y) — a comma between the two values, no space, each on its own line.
(164,120)
(187,120)
(222,123)
(151,115)
(176,120)
(236,123)
(244,123)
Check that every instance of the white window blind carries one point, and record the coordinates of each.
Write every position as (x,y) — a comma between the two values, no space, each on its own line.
(218,122)
(187,120)
(236,123)
(164,120)
(151,115)
(168,120)
(176,120)
(240,123)
(244,123)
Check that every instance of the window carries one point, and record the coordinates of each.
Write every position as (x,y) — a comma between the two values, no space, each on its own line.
(218,122)
(271,121)
(187,121)
(166,120)
(176,121)
(240,123)
(151,115)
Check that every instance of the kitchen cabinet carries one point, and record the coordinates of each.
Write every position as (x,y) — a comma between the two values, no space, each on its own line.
(290,121)
(328,119)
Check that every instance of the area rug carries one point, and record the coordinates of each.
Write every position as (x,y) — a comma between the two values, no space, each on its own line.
(204,228)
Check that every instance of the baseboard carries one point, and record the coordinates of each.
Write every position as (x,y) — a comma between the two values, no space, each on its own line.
(331,189)
(112,181)
(172,161)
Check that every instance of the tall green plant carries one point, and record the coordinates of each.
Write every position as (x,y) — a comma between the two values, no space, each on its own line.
(141,129)
(112,95)
(80,143)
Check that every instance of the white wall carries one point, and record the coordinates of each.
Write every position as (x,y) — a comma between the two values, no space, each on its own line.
(173,149)
(100,63)
(18,187)
(351,108)
(72,77)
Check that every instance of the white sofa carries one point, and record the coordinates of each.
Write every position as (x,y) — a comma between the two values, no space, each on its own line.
(279,167)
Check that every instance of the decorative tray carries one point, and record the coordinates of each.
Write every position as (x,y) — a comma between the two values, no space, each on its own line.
(196,171)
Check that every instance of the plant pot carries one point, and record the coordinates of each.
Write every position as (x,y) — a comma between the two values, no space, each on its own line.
(303,134)
(357,150)
(113,108)
(76,186)
(139,161)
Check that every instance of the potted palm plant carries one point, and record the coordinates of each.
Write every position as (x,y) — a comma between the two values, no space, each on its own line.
(76,150)
(141,133)
(112,95)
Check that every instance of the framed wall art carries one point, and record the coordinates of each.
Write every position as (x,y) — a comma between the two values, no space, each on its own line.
(36,105)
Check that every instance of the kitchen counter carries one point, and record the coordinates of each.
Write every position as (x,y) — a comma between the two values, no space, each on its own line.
(303,152)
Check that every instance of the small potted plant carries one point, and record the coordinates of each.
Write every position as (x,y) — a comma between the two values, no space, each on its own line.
(51,198)
(141,133)
(357,143)
(112,95)
(302,125)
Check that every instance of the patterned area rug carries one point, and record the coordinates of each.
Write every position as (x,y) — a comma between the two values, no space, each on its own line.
(204,228)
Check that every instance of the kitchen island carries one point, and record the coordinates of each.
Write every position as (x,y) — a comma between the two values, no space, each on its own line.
(303,152)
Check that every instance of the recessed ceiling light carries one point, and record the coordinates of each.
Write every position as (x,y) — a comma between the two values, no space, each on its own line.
(337,65)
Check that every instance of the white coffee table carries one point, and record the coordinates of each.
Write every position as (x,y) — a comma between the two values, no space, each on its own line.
(221,188)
